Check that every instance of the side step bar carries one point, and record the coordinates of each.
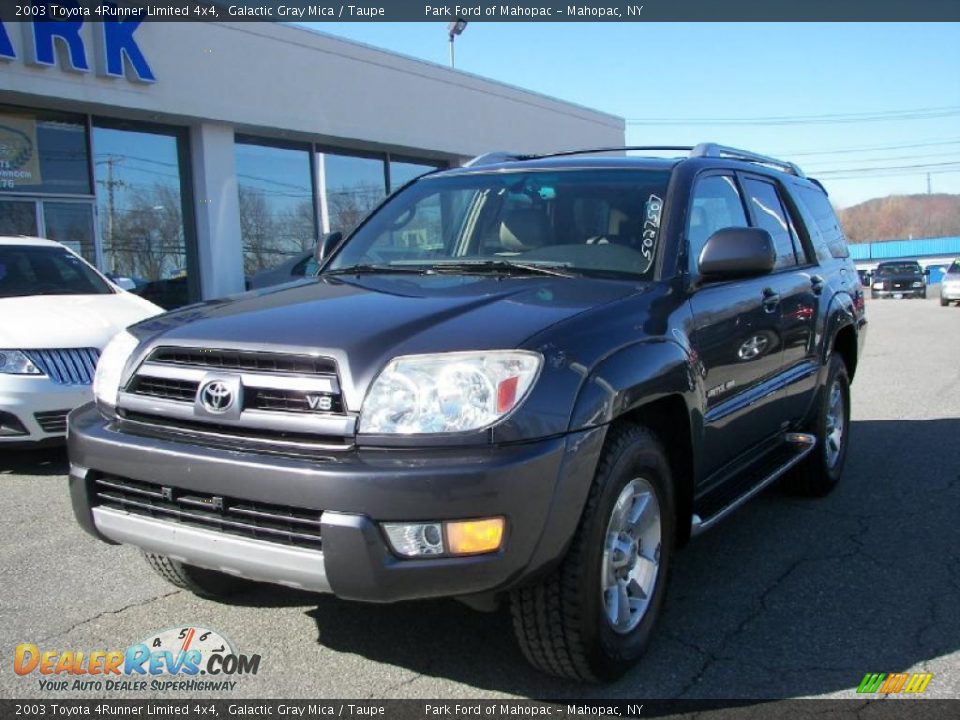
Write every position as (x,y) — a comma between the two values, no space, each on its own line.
(802,445)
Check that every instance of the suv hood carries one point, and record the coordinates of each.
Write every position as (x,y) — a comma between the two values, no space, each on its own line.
(363,322)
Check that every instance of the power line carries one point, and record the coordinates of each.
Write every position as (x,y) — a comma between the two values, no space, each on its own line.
(824,119)
(844,151)
(954,163)
(942,156)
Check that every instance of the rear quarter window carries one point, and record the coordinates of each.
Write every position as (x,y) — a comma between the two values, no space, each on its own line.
(825,230)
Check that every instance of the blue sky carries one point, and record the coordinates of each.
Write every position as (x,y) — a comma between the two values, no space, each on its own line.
(702,71)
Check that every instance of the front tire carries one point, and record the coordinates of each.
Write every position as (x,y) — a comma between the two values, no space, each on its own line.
(593,617)
(820,471)
(944,302)
(204,583)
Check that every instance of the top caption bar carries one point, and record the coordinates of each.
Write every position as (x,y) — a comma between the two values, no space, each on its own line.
(538,10)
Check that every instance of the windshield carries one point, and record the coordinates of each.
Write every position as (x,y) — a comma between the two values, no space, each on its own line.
(899,269)
(954,269)
(596,222)
(39,270)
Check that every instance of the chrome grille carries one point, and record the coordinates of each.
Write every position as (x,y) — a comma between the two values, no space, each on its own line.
(252,361)
(70,366)
(171,389)
(291,400)
(282,524)
(54,421)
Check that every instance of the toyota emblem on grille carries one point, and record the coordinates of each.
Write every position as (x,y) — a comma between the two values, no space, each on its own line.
(216,396)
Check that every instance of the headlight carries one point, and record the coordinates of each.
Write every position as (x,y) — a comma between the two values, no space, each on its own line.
(14,362)
(449,392)
(878,286)
(113,359)
(917,283)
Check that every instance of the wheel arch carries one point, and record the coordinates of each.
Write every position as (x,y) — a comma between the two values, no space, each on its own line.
(653,384)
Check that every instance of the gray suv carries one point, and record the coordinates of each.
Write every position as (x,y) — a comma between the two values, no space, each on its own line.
(530,379)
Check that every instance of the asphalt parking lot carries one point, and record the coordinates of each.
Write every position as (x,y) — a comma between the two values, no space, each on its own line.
(789,598)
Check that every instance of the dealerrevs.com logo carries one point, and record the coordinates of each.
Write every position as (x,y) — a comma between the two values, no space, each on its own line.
(184,659)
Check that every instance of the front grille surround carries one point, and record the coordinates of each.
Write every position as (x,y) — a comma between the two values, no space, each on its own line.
(270,402)
(245,360)
(280,524)
(66,366)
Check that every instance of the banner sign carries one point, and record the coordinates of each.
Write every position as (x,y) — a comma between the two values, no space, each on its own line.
(19,161)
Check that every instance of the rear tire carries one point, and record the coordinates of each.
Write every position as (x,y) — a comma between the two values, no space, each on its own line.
(204,583)
(820,471)
(944,302)
(593,617)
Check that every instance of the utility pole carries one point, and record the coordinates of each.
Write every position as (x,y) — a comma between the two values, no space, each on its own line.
(929,190)
(111,186)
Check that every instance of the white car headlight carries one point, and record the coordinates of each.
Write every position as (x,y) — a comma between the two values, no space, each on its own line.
(447,392)
(113,359)
(14,362)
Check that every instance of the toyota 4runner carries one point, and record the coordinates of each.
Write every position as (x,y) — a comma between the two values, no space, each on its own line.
(530,378)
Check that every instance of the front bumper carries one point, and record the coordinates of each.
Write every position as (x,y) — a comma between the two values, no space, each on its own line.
(904,292)
(25,397)
(538,487)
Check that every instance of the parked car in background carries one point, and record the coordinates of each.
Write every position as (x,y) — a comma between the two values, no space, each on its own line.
(950,285)
(899,279)
(295,268)
(56,315)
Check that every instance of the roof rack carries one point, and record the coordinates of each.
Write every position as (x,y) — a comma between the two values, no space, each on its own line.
(703,150)
(712,150)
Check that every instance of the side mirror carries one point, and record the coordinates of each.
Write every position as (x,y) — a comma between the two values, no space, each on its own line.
(737,252)
(326,246)
(926,271)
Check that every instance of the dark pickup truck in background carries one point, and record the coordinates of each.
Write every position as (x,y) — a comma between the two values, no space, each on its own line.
(531,378)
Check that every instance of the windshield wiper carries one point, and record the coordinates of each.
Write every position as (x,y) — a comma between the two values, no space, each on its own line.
(365,269)
(505,266)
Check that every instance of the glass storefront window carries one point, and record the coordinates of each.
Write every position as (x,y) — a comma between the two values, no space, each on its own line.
(71,224)
(351,187)
(402,172)
(141,211)
(276,211)
(43,152)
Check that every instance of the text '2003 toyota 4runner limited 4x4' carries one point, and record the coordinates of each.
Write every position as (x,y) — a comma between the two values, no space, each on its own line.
(532,377)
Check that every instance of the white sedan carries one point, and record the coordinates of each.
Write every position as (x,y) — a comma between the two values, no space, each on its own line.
(56,315)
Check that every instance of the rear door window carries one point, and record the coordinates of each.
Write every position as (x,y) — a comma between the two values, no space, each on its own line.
(716,205)
(770,214)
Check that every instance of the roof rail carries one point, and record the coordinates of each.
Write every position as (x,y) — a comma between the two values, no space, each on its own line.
(703,150)
(492,158)
(712,150)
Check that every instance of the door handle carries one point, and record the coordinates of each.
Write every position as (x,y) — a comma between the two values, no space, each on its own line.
(817,283)
(771,299)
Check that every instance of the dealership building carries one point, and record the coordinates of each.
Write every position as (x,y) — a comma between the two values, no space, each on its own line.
(188,158)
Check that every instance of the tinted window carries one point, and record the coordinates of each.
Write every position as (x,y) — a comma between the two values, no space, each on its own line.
(350,188)
(403,172)
(276,204)
(716,205)
(603,223)
(28,270)
(769,214)
(141,210)
(905,268)
(954,269)
(827,226)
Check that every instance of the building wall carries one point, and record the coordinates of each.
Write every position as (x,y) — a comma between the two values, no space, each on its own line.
(268,83)
(295,82)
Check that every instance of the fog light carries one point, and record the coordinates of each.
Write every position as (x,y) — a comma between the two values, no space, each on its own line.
(415,539)
(470,537)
